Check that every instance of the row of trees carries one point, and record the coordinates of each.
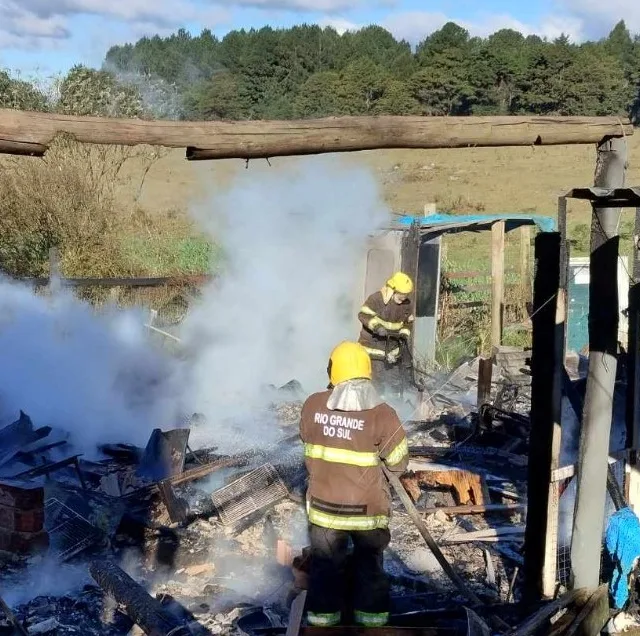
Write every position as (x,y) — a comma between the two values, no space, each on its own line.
(308,71)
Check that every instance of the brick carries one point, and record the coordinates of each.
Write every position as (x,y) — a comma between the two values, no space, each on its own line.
(21,520)
(23,496)
(23,542)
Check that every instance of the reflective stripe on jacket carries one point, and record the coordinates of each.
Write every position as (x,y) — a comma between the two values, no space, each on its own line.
(380,311)
(343,454)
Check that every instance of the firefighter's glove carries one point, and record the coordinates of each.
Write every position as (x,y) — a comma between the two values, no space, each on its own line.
(392,358)
(381,332)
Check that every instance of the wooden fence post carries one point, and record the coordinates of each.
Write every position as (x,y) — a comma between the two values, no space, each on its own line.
(633,377)
(497,282)
(485,371)
(547,362)
(525,263)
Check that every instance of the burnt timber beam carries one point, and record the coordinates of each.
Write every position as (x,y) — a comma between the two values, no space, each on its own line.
(31,133)
(142,609)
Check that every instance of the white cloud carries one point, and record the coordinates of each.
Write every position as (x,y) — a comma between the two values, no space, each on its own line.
(415,26)
(341,25)
(314,6)
(40,23)
(598,18)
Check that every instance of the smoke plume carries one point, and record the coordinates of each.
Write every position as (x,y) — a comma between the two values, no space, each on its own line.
(92,374)
(293,238)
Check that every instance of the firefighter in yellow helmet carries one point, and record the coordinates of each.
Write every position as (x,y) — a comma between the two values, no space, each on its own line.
(348,431)
(387,319)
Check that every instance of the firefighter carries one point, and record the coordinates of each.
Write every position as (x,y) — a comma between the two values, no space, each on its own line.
(347,432)
(387,318)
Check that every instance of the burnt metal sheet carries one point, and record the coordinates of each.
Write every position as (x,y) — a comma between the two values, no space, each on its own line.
(17,435)
(254,491)
(613,197)
(165,454)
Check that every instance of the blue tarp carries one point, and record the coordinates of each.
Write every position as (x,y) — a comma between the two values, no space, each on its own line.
(474,222)
(622,540)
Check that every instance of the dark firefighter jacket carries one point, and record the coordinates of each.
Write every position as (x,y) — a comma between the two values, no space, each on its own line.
(343,450)
(379,310)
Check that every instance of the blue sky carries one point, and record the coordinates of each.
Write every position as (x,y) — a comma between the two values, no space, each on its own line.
(49,36)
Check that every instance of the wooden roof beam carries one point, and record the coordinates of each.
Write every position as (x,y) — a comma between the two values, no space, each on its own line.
(31,133)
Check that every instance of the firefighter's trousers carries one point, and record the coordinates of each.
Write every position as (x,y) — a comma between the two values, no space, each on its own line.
(330,578)
(386,378)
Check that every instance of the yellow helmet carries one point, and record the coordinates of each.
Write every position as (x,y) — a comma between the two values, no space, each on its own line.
(401,283)
(348,361)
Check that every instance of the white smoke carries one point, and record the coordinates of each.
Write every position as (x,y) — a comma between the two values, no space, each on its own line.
(93,374)
(294,239)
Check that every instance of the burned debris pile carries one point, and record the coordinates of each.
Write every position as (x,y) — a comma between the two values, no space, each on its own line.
(170,540)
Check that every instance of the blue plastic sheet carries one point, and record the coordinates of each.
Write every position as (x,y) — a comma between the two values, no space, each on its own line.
(623,544)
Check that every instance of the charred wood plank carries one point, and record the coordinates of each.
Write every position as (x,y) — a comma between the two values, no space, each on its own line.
(177,509)
(540,618)
(142,609)
(12,618)
(474,510)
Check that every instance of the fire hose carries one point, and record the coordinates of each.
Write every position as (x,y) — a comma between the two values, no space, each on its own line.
(401,343)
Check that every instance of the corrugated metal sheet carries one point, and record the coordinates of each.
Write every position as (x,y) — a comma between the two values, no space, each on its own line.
(442,223)
(616,197)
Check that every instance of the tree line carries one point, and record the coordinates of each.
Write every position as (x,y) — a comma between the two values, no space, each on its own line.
(309,71)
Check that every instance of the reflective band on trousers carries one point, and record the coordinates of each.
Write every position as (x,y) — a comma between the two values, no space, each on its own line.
(323,620)
(340,522)
(371,620)
(340,455)
(398,453)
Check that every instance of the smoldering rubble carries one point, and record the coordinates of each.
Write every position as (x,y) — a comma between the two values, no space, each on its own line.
(168,537)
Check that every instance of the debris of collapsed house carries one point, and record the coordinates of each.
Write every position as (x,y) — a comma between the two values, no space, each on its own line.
(177,541)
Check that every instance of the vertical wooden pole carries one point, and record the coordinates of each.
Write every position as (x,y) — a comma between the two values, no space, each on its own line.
(54,269)
(485,371)
(497,282)
(525,263)
(588,520)
(547,362)
(633,376)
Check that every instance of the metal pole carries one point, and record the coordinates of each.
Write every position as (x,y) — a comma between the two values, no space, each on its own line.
(591,493)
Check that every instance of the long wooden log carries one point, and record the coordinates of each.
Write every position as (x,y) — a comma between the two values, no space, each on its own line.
(31,133)
(142,609)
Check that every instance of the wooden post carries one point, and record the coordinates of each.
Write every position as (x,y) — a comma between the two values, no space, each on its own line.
(485,372)
(588,520)
(54,269)
(633,376)
(525,259)
(547,362)
(497,282)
